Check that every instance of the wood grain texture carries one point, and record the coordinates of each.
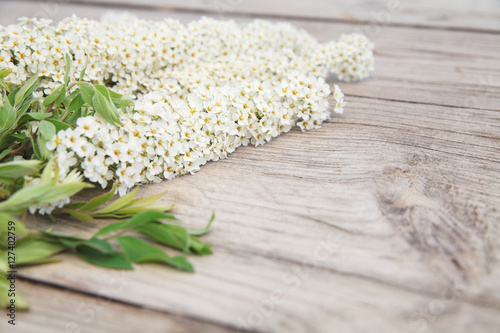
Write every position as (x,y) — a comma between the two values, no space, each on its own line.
(384,220)
(73,312)
(464,14)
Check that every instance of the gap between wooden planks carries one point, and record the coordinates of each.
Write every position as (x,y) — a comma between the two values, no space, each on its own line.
(407,186)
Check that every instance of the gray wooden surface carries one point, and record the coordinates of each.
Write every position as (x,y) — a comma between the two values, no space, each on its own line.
(384,220)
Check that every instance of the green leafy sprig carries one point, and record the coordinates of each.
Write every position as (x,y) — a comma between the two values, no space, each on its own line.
(27,123)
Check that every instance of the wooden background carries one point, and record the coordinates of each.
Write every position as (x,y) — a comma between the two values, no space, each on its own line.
(384,220)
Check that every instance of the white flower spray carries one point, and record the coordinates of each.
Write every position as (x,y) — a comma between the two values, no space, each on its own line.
(201,90)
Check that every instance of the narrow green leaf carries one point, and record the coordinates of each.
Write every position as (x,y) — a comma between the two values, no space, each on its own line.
(94,256)
(61,191)
(46,175)
(16,169)
(198,247)
(25,197)
(167,234)
(202,231)
(82,73)
(76,103)
(137,250)
(53,96)
(98,201)
(75,205)
(146,201)
(44,153)
(30,250)
(4,153)
(34,116)
(24,91)
(7,115)
(61,97)
(105,108)
(4,73)
(128,212)
(79,215)
(124,103)
(12,96)
(138,220)
(103,90)
(24,107)
(47,129)
(120,202)
(60,236)
(5,224)
(58,124)
(88,92)
(96,243)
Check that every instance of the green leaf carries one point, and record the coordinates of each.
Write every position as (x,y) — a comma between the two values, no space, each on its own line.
(79,215)
(202,231)
(16,169)
(61,97)
(24,91)
(4,73)
(98,201)
(20,112)
(75,205)
(124,103)
(120,202)
(105,108)
(198,247)
(25,197)
(128,212)
(58,235)
(82,73)
(53,96)
(12,96)
(29,250)
(94,256)
(4,224)
(136,221)
(61,191)
(34,116)
(103,90)
(4,153)
(47,129)
(146,201)
(96,243)
(88,92)
(46,175)
(7,115)
(76,103)
(58,124)
(137,250)
(167,234)
(43,152)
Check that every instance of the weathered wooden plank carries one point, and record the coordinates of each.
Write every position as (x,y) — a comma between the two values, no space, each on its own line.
(58,310)
(383,220)
(403,224)
(464,14)
(415,65)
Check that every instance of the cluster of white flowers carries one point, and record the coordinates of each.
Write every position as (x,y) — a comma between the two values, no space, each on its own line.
(201,90)
(138,56)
